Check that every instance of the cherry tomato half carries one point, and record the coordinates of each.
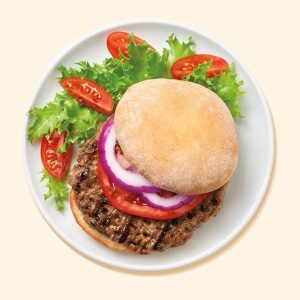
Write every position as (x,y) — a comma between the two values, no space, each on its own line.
(56,164)
(89,93)
(186,65)
(132,203)
(118,41)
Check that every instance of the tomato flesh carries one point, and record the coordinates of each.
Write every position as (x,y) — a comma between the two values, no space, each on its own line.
(186,65)
(56,164)
(89,93)
(132,203)
(123,162)
(118,41)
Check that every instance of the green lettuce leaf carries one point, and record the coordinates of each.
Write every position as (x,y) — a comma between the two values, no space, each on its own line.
(177,49)
(227,87)
(57,189)
(117,75)
(145,63)
(65,114)
(45,121)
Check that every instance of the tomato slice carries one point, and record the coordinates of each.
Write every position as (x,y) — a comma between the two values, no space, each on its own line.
(89,93)
(56,164)
(118,41)
(186,65)
(132,203)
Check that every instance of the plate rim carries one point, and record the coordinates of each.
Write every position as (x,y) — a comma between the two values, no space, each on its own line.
(184,262)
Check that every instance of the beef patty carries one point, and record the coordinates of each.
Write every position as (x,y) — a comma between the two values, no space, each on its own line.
(139,234)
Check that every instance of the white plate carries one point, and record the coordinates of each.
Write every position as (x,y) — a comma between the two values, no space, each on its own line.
(247,187)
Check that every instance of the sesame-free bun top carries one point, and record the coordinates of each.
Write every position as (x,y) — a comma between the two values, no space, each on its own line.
(177,134)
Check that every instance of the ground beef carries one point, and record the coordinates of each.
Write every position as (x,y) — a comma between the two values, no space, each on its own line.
(140,234)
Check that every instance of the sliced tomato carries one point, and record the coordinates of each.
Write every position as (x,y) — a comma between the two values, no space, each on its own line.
(56,164)
(118,41)
(132,203)
(89,93)
(186,65)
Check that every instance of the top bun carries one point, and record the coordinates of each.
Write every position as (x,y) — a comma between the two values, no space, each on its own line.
(177,134)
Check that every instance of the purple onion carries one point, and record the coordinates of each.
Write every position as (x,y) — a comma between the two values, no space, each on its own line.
(127,179)
(157,201)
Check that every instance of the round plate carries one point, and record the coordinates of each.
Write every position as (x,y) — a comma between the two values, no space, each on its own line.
(246,189)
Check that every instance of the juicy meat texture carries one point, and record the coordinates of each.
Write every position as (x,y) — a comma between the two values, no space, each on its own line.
(141,235)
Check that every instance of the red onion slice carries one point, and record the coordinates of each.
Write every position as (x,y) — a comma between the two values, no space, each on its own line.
(127,179)
(157,201)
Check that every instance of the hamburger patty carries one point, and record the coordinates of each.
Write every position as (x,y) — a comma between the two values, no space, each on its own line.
(139,234)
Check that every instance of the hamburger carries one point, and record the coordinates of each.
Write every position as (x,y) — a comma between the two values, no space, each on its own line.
(157,169)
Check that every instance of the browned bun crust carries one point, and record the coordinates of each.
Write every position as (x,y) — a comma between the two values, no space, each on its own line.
(103,239)
(177,134)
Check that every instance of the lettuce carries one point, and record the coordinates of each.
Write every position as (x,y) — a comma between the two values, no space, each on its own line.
(117,75)
(65,114)
(57,189)
(177,50)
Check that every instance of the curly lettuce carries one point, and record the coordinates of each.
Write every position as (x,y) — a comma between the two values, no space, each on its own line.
(57,189)
(64,114)
(177,49)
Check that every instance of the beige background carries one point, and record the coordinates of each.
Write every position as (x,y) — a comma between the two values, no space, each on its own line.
(263,262)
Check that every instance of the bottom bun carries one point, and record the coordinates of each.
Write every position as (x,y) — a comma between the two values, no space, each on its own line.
(99,237)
